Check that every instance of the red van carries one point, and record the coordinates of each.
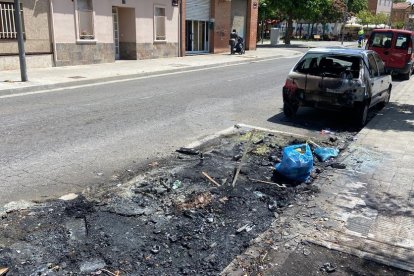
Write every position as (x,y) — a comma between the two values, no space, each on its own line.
(395,47)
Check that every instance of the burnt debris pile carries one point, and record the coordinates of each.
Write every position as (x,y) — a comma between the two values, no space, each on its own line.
(189,216)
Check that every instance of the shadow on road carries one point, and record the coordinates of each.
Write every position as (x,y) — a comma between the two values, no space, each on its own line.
(399,117)
(317,119)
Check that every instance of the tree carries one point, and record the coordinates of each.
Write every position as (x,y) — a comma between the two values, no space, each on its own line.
(365,17)
(398,25)
(289,11)
(331,11)
(321,11)
(355,6)
(380,18)
(312,10)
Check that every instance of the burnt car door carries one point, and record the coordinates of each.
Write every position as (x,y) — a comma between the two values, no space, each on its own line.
(373,80)
(385,77)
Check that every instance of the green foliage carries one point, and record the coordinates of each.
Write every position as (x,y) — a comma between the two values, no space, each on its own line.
(398,25)
(266,9)
(317,11)
(355,6)
(331,11)
(365,17)
(380,18)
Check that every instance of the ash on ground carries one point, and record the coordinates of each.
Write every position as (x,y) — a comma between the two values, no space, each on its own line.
(172,219)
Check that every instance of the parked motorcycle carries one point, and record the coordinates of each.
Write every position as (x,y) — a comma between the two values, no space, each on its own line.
(237,45)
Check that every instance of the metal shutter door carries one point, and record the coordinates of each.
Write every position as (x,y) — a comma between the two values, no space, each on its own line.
(198,10)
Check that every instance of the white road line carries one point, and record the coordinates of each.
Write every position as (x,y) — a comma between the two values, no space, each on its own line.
(132,79)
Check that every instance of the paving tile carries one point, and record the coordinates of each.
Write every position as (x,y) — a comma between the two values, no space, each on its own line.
(383,175)
(406,171)
(385,229)
(404,180)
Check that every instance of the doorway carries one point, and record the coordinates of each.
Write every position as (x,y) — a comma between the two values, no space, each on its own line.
(125,35)
(197,40)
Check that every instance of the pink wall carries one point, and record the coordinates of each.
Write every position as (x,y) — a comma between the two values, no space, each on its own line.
(64,20)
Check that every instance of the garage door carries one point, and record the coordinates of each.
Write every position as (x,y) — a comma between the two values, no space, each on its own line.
(198,10)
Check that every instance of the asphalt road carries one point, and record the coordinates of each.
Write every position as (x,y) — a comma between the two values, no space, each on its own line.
(63,141)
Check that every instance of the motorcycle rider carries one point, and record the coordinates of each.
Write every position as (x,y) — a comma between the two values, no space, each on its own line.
(233,40)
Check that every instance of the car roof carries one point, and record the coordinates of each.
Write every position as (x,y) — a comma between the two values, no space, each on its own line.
(392,30)
(341,51)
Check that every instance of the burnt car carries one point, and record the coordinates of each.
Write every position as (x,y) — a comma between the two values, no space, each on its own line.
(338,78)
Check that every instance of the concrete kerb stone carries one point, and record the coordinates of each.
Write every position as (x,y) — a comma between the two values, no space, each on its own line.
(126,77)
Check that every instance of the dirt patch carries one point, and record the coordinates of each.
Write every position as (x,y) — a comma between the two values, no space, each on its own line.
(169,220)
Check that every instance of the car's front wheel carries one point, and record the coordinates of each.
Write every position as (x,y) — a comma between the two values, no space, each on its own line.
(290,109)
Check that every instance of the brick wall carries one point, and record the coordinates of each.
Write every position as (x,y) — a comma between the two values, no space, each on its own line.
(220,11)
(372,6)
(251,34)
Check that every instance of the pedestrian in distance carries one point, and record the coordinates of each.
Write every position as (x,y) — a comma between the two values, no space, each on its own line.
(361,37)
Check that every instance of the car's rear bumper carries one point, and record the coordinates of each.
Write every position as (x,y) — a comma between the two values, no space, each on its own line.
(328,100)
(404,70)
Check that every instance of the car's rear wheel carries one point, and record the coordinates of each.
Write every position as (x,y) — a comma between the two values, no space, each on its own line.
(290,109)
(361,115)
(387,98)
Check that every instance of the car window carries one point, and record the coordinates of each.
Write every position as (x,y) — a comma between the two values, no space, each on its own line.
(380,64)
(372,66)
(333,65)
(402,41)
(381,40)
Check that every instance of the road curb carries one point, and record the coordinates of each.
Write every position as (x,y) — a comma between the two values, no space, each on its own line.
(41,87)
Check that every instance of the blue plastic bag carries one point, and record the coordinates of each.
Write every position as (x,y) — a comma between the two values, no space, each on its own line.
(324,154)
(297,162)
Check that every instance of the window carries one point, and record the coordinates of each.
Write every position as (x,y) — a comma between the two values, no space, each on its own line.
(332,65)
(159,23)
(84,14)
(373,66)
(380,64)
(382,40)
(7,23)
(402,41)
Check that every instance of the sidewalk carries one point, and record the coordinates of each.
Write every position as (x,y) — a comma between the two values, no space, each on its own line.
(56,77)
(366,210)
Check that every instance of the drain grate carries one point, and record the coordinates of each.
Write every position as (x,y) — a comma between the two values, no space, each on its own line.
(77,77)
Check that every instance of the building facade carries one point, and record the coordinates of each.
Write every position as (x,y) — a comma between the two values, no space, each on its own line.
(380,6)
(37,35)
(76,32)
(402,15)
(207,24)
(97,31)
